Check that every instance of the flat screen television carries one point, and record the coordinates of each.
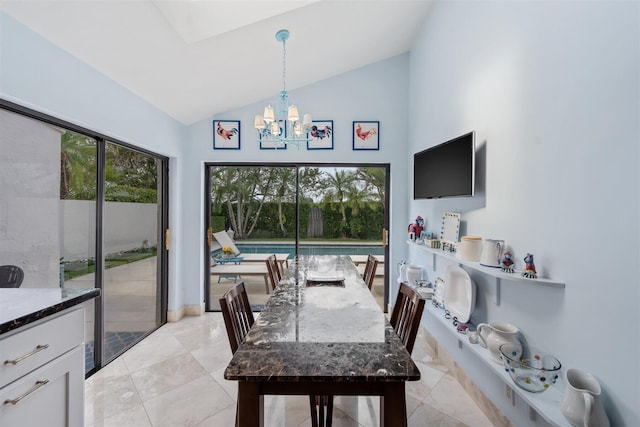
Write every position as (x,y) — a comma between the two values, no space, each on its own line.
(445,170)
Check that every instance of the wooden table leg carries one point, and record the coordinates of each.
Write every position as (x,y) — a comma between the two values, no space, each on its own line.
(250,405)
(266,284)
(393,405)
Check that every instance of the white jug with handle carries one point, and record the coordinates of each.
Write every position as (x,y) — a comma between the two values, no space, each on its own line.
(491,252)
(581,404)
(493,335)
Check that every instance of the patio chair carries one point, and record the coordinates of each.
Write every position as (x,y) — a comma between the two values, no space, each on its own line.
(370,271)
(11,276)
(224,240)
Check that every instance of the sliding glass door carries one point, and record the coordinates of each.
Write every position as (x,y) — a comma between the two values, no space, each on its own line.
(78,211)
(131,236)
(294,209)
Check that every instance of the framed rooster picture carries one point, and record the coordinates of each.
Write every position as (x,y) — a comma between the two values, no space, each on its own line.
(321,135)
(366,135)
(226,134)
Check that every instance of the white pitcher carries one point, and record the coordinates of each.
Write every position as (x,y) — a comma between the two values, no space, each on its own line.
(493,335)
(581,404)
(402,270)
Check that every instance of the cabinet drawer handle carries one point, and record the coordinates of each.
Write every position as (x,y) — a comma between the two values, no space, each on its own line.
(38,349)
(36,386)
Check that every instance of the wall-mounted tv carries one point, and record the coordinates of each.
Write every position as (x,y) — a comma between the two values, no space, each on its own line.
(445,170)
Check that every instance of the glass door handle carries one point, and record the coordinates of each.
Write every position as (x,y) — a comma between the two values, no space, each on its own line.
(167,239)
(209,236)
(385,237)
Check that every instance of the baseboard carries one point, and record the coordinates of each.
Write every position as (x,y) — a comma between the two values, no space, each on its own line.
(185,310)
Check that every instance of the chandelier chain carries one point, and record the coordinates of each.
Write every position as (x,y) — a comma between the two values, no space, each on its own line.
(284,65)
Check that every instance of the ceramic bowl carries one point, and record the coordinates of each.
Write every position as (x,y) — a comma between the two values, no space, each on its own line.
(534,371)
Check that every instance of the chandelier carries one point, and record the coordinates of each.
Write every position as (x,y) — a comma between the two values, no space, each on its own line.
(281,125)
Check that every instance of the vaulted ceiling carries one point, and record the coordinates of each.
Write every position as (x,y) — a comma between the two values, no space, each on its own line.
(196,58)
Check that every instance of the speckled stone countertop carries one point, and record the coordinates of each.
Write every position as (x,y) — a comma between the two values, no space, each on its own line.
(322,333)
(21,306)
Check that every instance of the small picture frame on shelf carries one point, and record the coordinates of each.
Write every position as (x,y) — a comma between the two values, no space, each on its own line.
(321,135)
(366,135)
(267,143)
(226,134)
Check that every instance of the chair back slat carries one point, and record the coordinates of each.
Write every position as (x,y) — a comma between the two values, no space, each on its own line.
(406,315)
(237,314)
(369,273)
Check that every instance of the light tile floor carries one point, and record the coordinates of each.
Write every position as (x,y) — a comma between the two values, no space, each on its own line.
(174,377)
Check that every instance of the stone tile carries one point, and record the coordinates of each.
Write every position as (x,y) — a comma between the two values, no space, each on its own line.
(450,398)
(109,396)
(134,417)
(189,404)
(153,349)
(426,415)
(167,375)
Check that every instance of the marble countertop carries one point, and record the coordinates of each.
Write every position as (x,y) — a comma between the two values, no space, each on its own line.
(322,333)
(21,306)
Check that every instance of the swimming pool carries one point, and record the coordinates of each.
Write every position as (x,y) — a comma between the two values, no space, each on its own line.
(308,249)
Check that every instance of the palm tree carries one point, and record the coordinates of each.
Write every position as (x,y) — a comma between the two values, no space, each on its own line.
(337,187)
(77,166)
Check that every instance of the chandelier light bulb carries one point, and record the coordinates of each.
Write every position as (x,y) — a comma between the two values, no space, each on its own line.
(269,115)
(275,128)
(293,115)
(258,122)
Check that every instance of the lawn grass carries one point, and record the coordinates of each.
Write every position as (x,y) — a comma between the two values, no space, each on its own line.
(75,269)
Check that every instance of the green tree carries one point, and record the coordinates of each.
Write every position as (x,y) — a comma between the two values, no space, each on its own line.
(77,166)
(336,189)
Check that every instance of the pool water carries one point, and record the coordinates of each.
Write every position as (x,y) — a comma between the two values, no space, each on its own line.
(306,249)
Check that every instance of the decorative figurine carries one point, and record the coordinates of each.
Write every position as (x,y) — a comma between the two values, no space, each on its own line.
(529,268)
(416,228)
(507,263)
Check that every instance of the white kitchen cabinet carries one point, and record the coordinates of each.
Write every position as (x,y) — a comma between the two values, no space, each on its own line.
(42,374)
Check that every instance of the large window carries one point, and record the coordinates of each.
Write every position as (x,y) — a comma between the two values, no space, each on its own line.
(295,209)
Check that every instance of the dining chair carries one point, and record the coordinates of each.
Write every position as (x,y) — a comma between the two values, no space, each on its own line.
(237,314)
(406,315)
(11,276)
(370,271)
(274,271)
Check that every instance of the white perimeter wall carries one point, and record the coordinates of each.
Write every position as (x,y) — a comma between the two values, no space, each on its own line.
(552,91)
(127,226)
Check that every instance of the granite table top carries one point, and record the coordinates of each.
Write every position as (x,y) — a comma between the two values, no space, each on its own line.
(21,306)
(334,332)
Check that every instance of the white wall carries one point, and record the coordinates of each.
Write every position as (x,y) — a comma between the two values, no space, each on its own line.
(552,90)
(41,76)
(376,92)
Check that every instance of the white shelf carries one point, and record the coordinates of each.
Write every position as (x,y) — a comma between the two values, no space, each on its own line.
(546,404)
(497,273)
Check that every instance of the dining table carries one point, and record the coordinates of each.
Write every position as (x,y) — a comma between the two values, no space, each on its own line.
(322,333)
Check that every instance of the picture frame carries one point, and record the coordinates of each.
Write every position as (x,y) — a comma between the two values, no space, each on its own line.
(321,135)
(266,144)
(226,134)
(366,135)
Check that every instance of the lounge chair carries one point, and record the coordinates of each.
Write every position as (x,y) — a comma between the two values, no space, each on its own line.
(224,240)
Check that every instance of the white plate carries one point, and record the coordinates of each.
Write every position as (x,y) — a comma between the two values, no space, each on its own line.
(459,293)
